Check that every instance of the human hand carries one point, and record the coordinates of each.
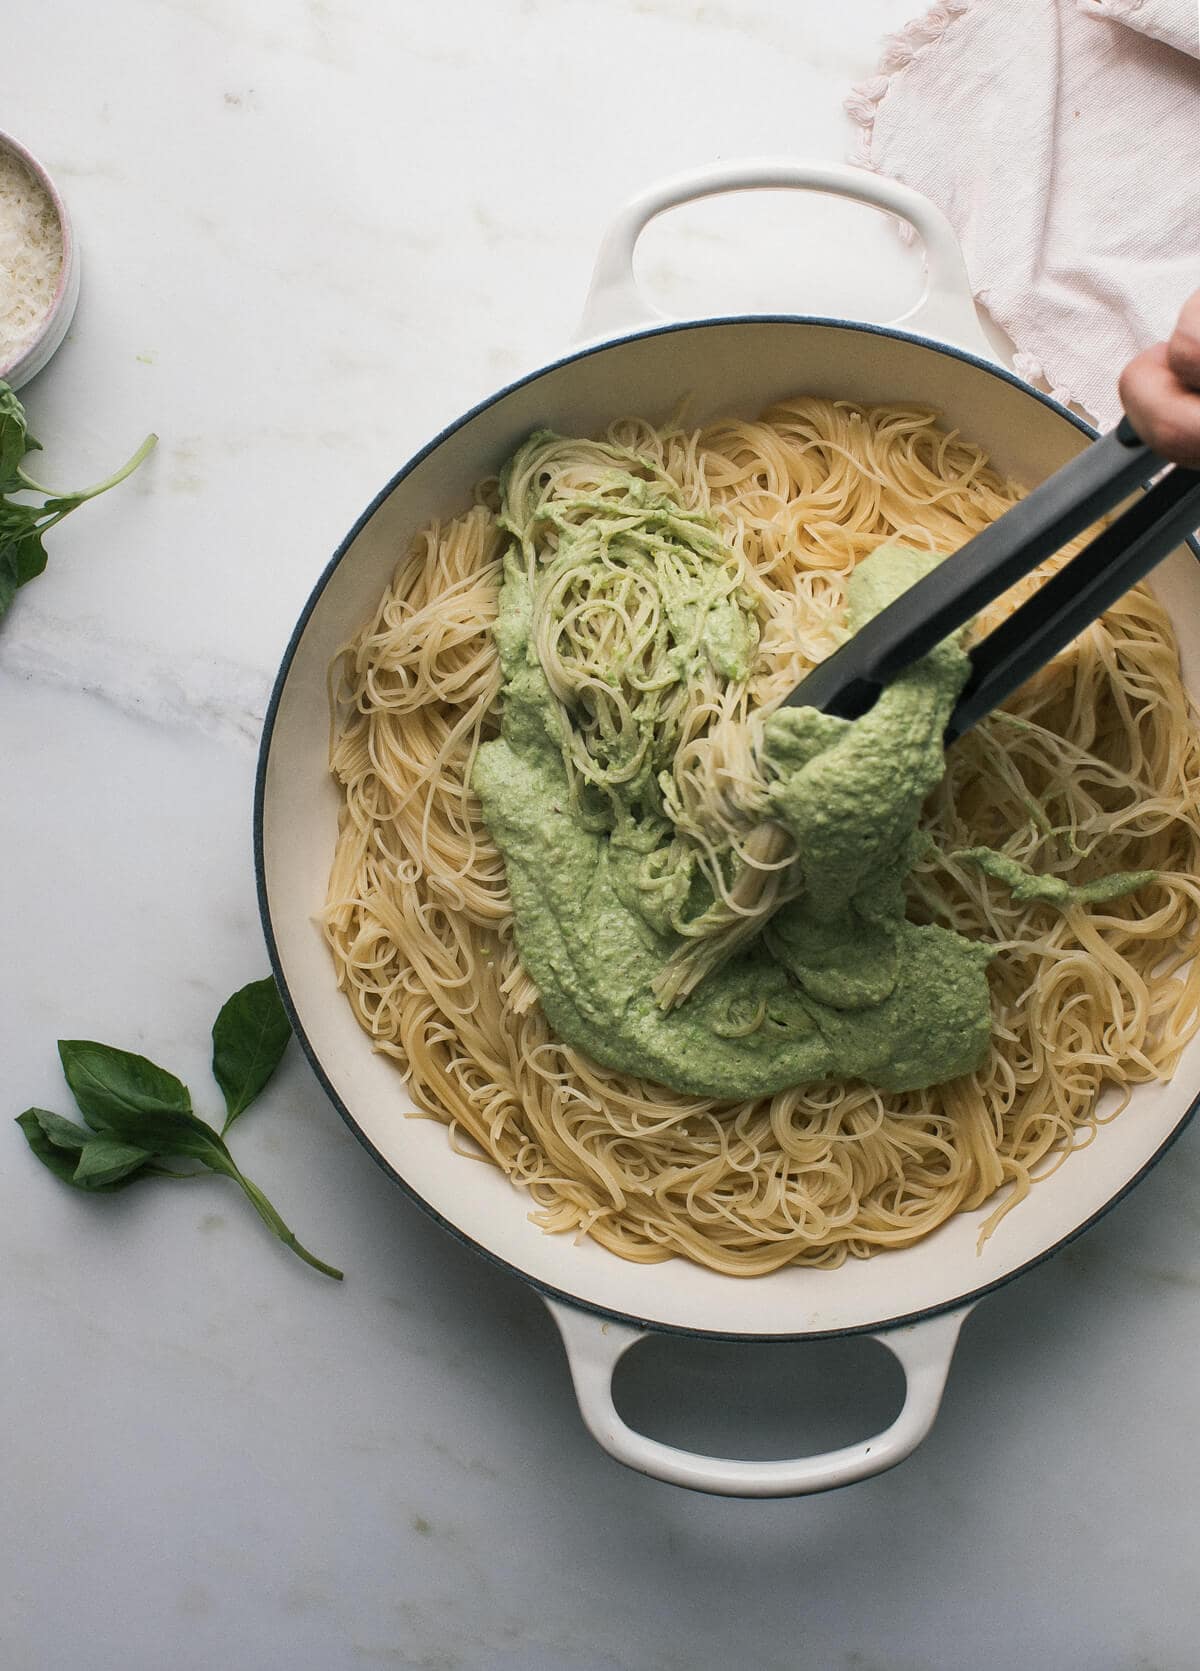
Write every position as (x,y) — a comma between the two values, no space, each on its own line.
(1160,391)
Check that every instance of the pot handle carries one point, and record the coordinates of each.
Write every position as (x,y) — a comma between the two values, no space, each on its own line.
(594,1348)
(946,311)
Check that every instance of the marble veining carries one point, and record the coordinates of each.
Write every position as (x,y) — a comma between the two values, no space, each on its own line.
(213,696)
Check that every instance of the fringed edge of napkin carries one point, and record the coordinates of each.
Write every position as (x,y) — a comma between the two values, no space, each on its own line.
(899,50)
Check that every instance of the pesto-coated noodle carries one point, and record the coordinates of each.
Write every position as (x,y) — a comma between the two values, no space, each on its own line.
(1092,767)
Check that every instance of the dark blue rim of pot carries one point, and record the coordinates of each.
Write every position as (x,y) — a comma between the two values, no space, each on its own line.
(906,1318)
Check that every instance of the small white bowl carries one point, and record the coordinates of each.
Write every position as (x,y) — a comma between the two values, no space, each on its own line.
(35,353)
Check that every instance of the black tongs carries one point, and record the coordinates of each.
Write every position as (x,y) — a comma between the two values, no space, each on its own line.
(848,682)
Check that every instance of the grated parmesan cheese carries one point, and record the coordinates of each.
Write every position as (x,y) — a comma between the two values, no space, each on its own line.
(31,255)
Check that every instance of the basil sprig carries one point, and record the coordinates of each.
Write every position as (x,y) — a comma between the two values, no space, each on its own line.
(249,1036)
(23,525)
(138,1117)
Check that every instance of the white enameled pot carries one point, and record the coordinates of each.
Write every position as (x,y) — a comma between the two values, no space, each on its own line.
(913,1300)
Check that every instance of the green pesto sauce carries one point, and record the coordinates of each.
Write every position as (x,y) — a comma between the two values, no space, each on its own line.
(1027,888)
(839,985)
(625,551)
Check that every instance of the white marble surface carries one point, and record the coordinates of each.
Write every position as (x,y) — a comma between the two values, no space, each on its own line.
(311,233)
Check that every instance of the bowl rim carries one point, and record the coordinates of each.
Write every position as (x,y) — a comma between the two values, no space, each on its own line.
(11,370)
(465,1238)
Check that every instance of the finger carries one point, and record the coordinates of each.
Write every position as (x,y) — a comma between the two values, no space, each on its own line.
(1165,414)
(1183,350)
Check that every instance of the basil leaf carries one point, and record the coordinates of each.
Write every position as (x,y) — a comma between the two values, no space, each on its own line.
(22,558)
(249,1037)
(141,1116)
(15,439)
(64,1134)
(58,1159)
(135,1102)
(112,1085)
(164,1131)
(103,1161)
(30,556)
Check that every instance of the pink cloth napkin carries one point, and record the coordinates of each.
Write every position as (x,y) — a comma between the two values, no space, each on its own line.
(1062,138)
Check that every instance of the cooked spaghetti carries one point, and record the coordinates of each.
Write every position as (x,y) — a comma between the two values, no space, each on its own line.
(1092,768)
